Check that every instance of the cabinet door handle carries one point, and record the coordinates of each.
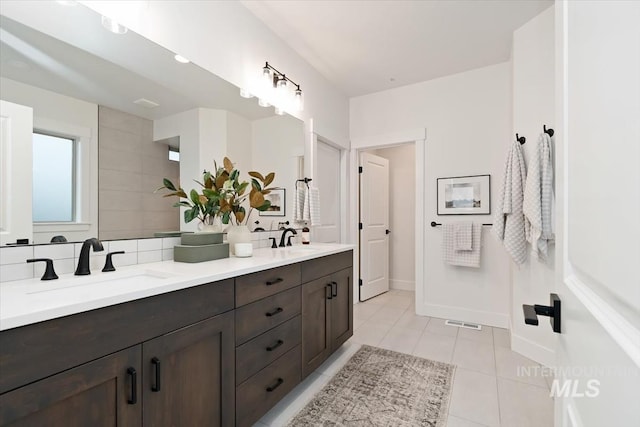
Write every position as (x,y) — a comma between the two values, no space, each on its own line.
(274,312)
(276,385)
(274,281)
(156,365)
(276,345)
(330,291)
(335,293)
(133,376)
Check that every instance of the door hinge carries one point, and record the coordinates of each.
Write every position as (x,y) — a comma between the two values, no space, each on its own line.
(360,226)
(359,282)
(359,169)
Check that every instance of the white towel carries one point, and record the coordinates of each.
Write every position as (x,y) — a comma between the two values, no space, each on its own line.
(463,236)
(462,258)
(298,203)
(538,197)
(509,225)
(313,205)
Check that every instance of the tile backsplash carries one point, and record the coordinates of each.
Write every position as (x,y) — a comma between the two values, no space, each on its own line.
(13,265)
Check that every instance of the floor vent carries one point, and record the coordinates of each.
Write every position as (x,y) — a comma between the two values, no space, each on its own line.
(460,324)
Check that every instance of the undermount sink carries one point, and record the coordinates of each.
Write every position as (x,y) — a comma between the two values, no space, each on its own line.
(300,250)
(125,278)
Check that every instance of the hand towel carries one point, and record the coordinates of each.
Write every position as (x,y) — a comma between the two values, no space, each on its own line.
(314,206)
(461,258)
(463,236)
(538,197)
(298,203)
(509,225)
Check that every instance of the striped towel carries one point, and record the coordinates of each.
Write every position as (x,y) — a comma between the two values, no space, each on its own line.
(509,225)
(462,258)
(298,204)
(463,236)
(313,203)
(538,197)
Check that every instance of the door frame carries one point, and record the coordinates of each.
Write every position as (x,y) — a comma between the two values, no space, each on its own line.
(419,138)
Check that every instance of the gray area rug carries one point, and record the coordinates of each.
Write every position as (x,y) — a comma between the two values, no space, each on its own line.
(380,387)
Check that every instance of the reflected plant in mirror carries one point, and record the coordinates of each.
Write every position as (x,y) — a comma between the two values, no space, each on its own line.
(223,195)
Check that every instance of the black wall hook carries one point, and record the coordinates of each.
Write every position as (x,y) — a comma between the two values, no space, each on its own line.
(547,131)
(521,139)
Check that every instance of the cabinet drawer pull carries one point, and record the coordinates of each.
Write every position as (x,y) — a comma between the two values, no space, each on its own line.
(156,364)
(274,281)
(276,385)
(276,345)
(330,291)
(274,312)
(133,375)
(335,293)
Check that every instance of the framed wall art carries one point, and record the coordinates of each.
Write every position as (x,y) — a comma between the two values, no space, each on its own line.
(464,195)
(278,203)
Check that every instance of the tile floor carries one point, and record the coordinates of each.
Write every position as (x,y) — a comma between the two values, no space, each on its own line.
(488,389)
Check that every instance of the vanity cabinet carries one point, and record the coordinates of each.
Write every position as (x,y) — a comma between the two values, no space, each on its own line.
(327,308)
(268,340)
(169,357)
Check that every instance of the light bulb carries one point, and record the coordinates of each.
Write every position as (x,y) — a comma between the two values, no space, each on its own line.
(298,101)
(245,93)
(266,76)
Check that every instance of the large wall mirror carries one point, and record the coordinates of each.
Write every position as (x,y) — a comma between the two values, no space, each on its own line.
(109,112)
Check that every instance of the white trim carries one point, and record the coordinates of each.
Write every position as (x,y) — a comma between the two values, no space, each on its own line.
(532,350)
(487,318)
(621,330)
(393,138)
(403,285)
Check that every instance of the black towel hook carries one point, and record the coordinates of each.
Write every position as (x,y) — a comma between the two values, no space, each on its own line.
(547,131)
(521,139)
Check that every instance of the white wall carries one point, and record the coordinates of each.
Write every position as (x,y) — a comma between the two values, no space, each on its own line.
(533,106)
(69,116)
(468,122)
(402,215)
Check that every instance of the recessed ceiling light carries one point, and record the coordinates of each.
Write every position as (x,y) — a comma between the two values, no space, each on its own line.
(113,25)
(181,59)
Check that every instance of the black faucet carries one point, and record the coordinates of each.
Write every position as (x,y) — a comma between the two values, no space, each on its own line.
(83,260)
(284,233)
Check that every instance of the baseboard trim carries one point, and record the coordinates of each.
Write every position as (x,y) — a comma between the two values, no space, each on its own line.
(488,318)
(402,285)
(532,350)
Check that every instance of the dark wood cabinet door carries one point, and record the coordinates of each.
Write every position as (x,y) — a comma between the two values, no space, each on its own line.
(105,392)
(341,308)
(189,375)
(316,323)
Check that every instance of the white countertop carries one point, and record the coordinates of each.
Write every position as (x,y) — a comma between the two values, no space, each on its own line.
(24,302)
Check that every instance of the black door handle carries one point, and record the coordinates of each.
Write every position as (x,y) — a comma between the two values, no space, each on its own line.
(335,293)
(330,291)
(276,385)
(387,231)
(276,345)
(133,376)
(274,281)
(156,364)
(274,312)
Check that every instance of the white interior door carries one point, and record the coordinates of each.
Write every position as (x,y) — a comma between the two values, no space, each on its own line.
(374,217)
(598,352)
(327,180)
(16,148)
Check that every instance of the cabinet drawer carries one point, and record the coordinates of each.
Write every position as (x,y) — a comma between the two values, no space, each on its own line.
(260,316)
(259,393)
(316,268)
(264,349)
(255,286)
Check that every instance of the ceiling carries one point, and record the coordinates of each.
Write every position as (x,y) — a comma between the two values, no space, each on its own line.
(365,46)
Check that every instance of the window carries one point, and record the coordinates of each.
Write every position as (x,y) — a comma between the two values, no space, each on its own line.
(174,154)
(53,178)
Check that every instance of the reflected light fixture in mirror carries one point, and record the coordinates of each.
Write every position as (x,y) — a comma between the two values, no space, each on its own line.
(113,25)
